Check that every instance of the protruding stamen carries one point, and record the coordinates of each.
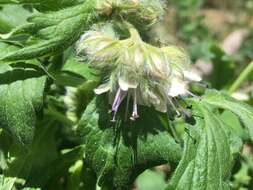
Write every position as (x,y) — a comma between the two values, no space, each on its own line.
(135,107)
(127,106)
(116,100)
(174,107)
(120,95)
(191,94)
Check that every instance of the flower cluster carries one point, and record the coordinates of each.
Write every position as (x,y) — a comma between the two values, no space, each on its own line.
(144,10)
(137,71)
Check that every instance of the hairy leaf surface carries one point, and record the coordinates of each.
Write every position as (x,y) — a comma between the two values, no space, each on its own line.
(224,101)
(208,157)
(52,32)
(21,91)
(119,152)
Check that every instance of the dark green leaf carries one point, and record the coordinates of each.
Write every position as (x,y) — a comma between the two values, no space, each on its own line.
(119,152)
(208,156)
(54,31)
(81,68)
(150,180)
(223,68)
(21,91)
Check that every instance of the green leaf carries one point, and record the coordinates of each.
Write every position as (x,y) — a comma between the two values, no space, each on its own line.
(7,183)
(12,16)
(74,178)
(29,161)
(82,69)
(150,180)
(21,91)
(208,156)
(53,32)
(223,68)
(119,152)
(45,5)
(224,101)
(233,121)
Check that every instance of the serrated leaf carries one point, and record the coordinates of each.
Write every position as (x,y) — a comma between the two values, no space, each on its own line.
(224,101)
(21,91)
(119,153)
(208,159)
(53,32)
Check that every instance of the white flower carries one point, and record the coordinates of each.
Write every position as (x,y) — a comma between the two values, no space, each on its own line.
(138,72)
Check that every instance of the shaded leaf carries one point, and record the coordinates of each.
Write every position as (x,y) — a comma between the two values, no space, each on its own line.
(82,69)
(7,183)
(223,68)
(118,153)
(21,91)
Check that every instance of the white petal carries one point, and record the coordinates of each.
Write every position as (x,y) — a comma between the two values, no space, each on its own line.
(191,76)
(177,87)
(102,88)
(126,84)
(123,84)
(138,57)
(162,107)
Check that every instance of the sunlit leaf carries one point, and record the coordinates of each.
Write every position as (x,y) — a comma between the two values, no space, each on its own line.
(224,101)
(208,157)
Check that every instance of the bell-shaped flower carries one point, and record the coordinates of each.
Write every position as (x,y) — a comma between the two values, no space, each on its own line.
(136,71)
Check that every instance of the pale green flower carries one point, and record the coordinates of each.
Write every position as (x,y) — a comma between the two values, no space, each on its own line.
(144,10)
(135,70)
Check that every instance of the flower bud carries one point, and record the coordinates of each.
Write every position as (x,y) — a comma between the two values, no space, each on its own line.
(137,10)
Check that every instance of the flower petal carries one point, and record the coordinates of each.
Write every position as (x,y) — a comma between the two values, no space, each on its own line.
(102,88)
(177,87)
(191,76)
(123,84)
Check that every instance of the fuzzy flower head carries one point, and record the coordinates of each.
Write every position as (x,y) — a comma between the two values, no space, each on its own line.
(136,71)
(145,10)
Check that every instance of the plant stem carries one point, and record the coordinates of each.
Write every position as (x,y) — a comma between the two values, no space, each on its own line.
(242,77)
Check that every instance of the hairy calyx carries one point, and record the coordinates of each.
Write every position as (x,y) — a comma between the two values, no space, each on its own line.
(137,71)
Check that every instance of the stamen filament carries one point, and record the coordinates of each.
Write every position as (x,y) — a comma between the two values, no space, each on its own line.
(135,107)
